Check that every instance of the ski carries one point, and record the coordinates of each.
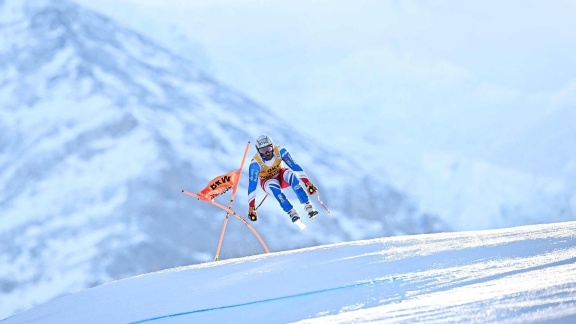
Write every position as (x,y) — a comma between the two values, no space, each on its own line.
(300,224)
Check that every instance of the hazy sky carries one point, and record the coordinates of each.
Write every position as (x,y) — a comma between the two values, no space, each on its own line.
(436,73)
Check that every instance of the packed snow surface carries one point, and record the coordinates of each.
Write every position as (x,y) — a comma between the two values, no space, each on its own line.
(515,275)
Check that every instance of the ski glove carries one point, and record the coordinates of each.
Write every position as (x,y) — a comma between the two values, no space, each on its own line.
(252,215)
(311,188)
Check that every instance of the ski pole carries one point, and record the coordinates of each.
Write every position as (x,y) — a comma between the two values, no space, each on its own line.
(318,193)
(260,204)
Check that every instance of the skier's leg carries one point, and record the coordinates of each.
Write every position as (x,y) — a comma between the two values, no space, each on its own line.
(290,178)
(272,187)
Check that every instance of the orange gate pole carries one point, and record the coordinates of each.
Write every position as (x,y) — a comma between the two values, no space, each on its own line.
(239,171)
(236,215)
(229,210)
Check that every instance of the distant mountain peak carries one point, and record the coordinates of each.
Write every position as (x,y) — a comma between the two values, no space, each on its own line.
(53,41)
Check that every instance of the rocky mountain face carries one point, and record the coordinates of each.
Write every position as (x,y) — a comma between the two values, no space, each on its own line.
(102,129)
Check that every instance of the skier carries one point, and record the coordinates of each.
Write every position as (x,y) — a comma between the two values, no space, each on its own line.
(266,166)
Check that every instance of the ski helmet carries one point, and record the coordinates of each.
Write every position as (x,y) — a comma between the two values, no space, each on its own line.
(263,141)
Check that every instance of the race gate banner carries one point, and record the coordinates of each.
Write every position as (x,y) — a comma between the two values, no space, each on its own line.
(219,185)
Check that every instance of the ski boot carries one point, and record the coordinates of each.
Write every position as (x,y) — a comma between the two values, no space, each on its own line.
(296,219)
(310,210)
(293,215)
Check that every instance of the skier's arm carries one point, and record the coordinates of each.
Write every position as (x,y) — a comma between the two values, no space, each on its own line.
(285,155)
(253,171)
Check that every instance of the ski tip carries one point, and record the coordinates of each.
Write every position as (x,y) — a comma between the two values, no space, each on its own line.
(300,224)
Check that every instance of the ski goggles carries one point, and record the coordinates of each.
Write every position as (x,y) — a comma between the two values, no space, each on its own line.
(265,149)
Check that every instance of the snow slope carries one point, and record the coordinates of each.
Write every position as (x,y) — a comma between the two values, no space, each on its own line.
(523,274)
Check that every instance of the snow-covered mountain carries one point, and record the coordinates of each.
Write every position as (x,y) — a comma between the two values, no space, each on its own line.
(102,129)
(477,123)
(513,275)
(513,188)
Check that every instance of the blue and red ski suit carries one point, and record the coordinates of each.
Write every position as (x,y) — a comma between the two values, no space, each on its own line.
(273,177)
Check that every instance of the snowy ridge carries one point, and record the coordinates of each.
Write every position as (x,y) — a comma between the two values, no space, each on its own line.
(477,194)
(514,275)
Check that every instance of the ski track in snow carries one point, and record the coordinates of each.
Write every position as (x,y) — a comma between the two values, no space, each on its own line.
(514,275)
(305,294)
